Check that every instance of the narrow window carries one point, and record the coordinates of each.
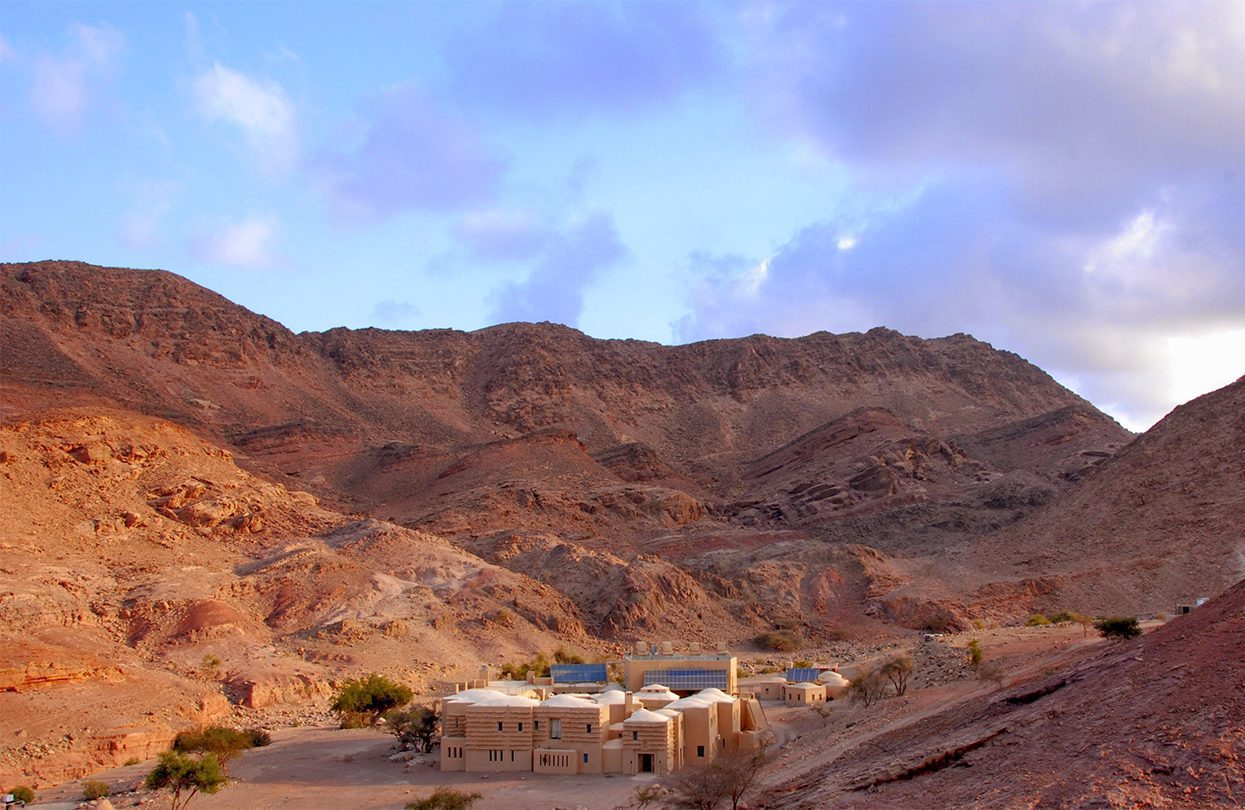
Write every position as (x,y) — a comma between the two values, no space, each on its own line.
(588,728)
(512,755)
(635,735)
(520,726)
(585,759)
(555,729)
(536,725)
(499,725)
(700,750)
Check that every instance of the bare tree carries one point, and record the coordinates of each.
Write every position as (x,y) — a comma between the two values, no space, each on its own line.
(726,780)
(898,670)
(869,686)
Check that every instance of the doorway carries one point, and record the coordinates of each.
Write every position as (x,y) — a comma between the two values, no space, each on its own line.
(646,763)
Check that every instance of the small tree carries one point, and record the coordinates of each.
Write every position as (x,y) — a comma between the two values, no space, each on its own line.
(366,699)
(182,773)
(647,794)
(445,798)
(869,686)
(1118,627)
(417,726)
(728,779)
(897,670)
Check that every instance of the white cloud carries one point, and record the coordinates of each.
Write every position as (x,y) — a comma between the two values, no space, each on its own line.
(64,87)
(246,243)
(258,107)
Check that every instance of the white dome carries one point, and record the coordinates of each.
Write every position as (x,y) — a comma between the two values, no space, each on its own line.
(572,701)
(473,695)
(645,716)
(508,700)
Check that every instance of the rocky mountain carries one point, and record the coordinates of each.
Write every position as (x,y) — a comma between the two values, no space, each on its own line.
(191,482)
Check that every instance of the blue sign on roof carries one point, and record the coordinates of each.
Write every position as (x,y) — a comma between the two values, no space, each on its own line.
(803,674)
(578,673)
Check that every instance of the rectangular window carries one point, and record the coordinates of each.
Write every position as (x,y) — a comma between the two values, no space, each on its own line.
(635,735)
(588,728)
(512,756)
(585,759)
(700,750)
(555,729)
(520,726)
(536,725)
(499,725)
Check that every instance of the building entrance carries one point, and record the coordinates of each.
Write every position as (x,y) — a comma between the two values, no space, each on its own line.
(646,763)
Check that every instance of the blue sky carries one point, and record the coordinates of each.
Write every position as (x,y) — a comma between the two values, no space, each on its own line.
(1064,180)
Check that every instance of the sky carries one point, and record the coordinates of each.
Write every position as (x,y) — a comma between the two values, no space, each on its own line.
(1064,180)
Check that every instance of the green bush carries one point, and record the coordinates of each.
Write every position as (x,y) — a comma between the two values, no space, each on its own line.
(368,698)
(446,798)
(974,652)
(1062,617)
(1120,627)
(1037,620)
(23,794)
(539,665)
(780,640)
(95,790)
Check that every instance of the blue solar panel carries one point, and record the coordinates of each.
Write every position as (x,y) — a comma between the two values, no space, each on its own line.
(809,674)
(578,673)
(684,680)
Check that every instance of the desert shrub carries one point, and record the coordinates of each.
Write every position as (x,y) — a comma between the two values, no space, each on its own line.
(446,798)
(95,789)
(23,794)
(225,743)
(259,737)
(974,653)
(647,794)
(1062,617)
(940,622)
(780,640)
(1119,627)
(132,761)
(209,667)
(186,776)
(416,727)
(897,670)
(1037,620)
(1161,616)
(802,663)
(366,699)
(869,686)
(990,672)
(538,666)
(978,624)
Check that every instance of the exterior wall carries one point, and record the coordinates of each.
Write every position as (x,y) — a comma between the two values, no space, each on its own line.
(729,723)
(584,730)
(454,719)
(768,690)
(635,667)
(660,740)
(453,753)
(555,760)
(700,734)
(490,748)
(804,693)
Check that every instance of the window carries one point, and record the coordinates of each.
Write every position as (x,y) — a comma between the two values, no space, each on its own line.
(585,759)
(555,729)
(588,728)
(520,726)
(635,735)
(512,756)
(700,751)
(536,725)
(499,725)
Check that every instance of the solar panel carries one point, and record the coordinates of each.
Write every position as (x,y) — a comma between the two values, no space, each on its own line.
(802,674)
(687,679)
(578,673)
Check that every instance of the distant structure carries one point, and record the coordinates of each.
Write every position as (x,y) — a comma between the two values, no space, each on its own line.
(647,727)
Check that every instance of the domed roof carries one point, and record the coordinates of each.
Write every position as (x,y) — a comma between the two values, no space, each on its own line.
(690,702)
(714,695)
(610,697)
(645,716)
(570,701)
(508,700)
(473,695)
(831,677)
